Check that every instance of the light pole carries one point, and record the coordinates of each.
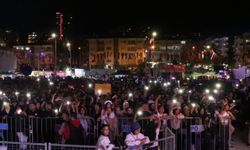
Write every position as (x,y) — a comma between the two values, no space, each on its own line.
(152,48)
(70,55)
(53,35)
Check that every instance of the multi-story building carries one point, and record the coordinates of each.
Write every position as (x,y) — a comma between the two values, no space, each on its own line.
(116,52)
(131,51)
(168,51)
(32,38)
(242,49)
(8,38)
(218,45)
(39,57)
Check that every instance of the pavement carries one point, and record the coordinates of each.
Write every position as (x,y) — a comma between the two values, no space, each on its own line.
(239,143)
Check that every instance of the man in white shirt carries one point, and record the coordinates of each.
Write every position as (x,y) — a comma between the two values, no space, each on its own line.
(135,139)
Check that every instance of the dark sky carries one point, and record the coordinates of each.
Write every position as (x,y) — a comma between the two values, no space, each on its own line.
(93,16)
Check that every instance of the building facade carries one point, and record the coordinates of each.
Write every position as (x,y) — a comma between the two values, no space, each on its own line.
(242,49)
(39,57)
(116,52)
(167,51)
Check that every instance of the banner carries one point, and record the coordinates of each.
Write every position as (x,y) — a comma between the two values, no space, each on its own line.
(102,89)
(174,68)
(196,128)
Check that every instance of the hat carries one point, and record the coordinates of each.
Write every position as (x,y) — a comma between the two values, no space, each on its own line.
(135,126)
(108,101)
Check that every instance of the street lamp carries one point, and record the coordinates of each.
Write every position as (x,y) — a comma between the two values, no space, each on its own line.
(70,55)
(218,85)
(154,34)
(28,95)
(53,35)
(130,95)
(90,85)
(16,93)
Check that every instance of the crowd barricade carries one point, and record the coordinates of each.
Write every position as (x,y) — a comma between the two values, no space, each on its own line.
(4,145)
(192,134)
(124,124)
(40,130)
(166,143)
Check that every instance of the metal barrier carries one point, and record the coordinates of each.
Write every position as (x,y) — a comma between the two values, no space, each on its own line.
(37,130)
(192,134)
(40,130)
(22,146)
(162,144)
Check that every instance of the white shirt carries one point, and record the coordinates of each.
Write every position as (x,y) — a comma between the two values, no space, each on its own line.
(104,143)
(224,118)
(106,118)
(162,116)
(83,121)
(135,140)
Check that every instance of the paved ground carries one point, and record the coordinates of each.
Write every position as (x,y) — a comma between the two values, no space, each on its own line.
(238,142)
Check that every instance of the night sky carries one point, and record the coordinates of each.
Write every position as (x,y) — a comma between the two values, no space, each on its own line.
(92,16)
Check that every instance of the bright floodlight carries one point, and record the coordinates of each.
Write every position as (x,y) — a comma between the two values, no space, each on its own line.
(130,94)
(218,85)
(208,46)
(237,85)
(5,103)
(19,111)
(150,81)
(51,83)
(28,95)
(99,92)
(56,111)
(193,105)
(90,85)
(38,79)
(154,34)
(53,35)
(68,44)
(174,101)
(139,112)
(211,98)
(215,91)
(155,81)
(180,91)
(16,93)
(207,91)
(68,102)
(1,92)
(190,91)
(173,78)
(146,88)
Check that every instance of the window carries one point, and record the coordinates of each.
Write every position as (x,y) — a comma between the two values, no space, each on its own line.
(131,42)
(108,48)
(123,57)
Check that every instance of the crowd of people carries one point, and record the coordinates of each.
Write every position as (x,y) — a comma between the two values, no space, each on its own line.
(154,103)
